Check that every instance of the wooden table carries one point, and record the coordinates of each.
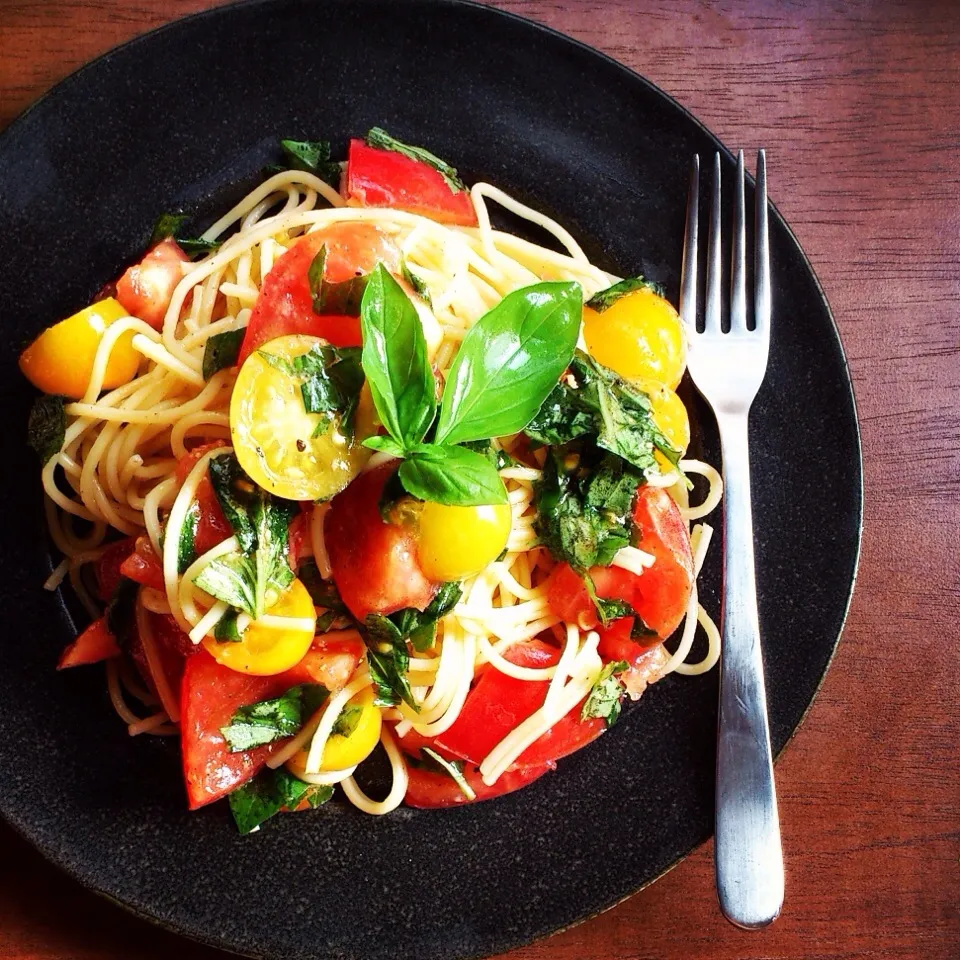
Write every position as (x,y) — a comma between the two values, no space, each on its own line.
(859,105)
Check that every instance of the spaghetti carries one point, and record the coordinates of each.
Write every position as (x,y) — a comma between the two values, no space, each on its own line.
(135,459)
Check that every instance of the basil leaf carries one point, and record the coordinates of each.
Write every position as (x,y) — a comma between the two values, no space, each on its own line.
(605,695)
(186,551)
(388,660)
(261,524)
(499,458)
(313,156)
(608,610)
(382,140)
(268,793)
(323,592)
(607,298)
(509,362)
(584,513)
(420,626)
(47,426)
(640,632)
(277,362)
(332,381)
(171,225)
(347,722)
(418,285)
(452,768)
(226,630)
(342,298)
(271,720)
(453,476)
(384,444)
(221,351)
(395,360)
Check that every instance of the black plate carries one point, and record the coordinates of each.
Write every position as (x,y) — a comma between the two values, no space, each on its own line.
(187,116)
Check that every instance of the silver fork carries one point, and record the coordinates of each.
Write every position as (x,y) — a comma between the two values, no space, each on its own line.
(728,369)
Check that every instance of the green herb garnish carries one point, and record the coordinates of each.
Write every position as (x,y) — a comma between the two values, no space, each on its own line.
(382,140)
(313,156)
(171,225)
(47,426)
(221,351)
(607,298)
(270,792)
(271,720)
(605,695)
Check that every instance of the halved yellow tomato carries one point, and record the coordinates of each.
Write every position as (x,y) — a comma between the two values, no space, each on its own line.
(284,449)
(363,720)
(639,336)
(61,359)
(670,415)
(265,650)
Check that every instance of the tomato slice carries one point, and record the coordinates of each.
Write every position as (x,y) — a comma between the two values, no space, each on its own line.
(211,693)
(659,595)
(429,790)
(107,571)
(375,564)
(285,304)
(145,290)
(143,565)
(385,178)
(96,643)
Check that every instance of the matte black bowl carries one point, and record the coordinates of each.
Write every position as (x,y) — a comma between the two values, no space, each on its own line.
(188,116)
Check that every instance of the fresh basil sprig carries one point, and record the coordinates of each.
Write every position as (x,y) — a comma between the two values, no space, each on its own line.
(507,365)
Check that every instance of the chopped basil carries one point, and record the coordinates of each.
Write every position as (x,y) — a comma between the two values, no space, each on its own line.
(607,609)
(221,351)
(604,698)
(499,458)
(382,140)
(342,298)
(47,426)
(420,627)
(313,156)
(186,549)
(261,524)
(347,722)
(270,792)
(171,225)
(419,287)
(330,382)
(271,720)
(594,401)
(388,660)
(226,630)
(607,298)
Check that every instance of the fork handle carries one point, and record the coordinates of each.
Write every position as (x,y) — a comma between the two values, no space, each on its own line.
(748,855)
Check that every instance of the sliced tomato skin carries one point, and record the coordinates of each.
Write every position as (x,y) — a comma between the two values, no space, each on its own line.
(96,643)
(431,791)
(146,288)
(374,564)
(498,703)
(143,565)
(660,595)
(210,693)
(285,303)
(108,569)
(385,178)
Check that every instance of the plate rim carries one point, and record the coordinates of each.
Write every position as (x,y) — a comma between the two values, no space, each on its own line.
(494,13)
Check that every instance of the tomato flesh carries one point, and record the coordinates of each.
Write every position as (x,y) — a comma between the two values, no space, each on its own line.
(375,564)
(385,178)
(210,695)
(144,566)
(96,643)
(285,303)
(108,569)
(660,595)
(145,290)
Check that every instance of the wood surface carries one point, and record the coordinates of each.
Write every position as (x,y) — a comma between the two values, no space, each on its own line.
(859,106)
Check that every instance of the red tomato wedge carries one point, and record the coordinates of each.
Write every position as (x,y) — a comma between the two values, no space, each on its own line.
(429,790)
(145,290)
(285,304)
(385,178)
(211,693)
(498,703)
(108,569)
(96,643)
(660,595)
(143,565)
(375,565)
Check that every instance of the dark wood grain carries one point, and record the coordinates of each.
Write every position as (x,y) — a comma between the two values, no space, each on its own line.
(859,106)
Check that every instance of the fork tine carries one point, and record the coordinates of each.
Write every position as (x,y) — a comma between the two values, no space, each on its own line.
(688,275)
(738,258)
(761,263)
(712,307)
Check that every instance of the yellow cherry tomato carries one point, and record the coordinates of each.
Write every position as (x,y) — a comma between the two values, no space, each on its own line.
(284,449)
(670,415)
(639,337)
(61,359)
(363,720)
(265,650)
(458,542)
